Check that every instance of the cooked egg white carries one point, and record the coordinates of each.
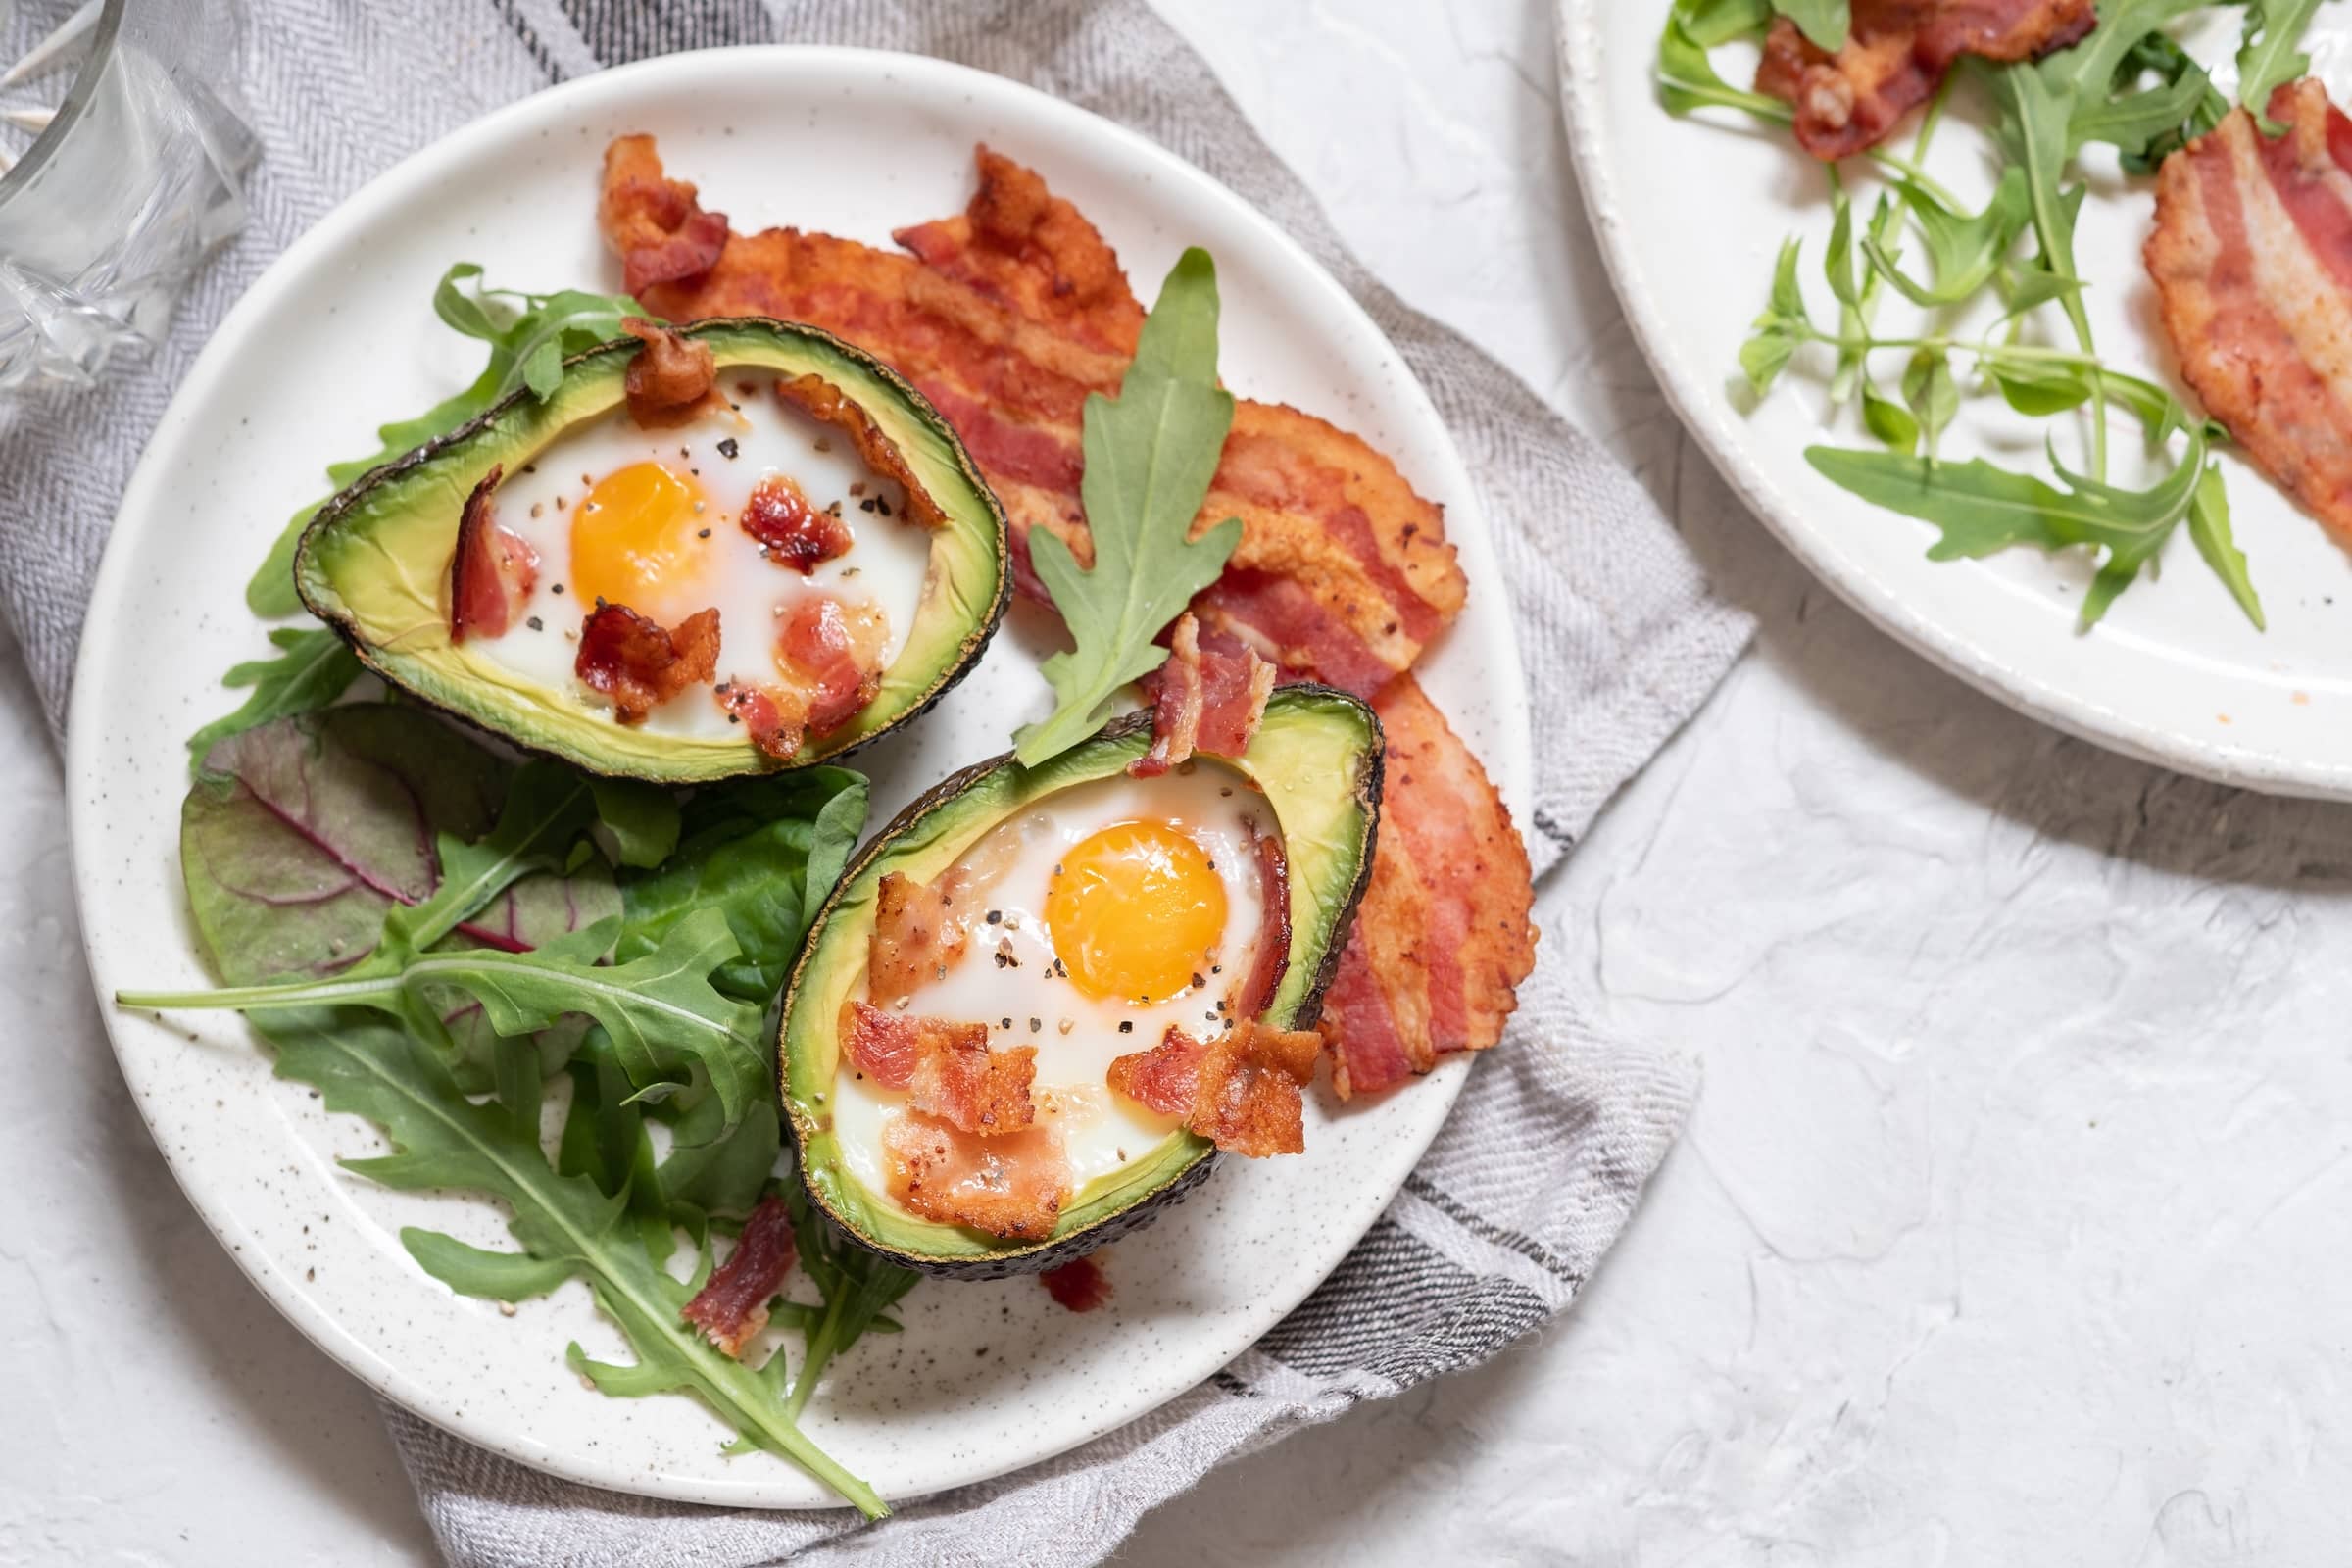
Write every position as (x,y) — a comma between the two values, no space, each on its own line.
(648,519)
(1116,899)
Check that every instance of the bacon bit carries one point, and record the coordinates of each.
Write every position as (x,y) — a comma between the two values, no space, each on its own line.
(1162,1078)
(491,572)
(833,656)
(822,401)
(1896,54)
(948,1068)
(2252,261)
(1239,1091)
(1080,1285)
(668,381)
(1208,700)
(775,721)
(1175,703)
(633,661)
(1273,957)
(1010,1185)
(792,532)
(921,930)
(1442,938)
(661,234)
(732,1308)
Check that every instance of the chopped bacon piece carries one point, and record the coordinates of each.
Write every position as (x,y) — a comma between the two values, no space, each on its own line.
(775,721)
(732,1307)
(1010,1185)
(921,930)
(653,224)
(492,571)
(1442,938)
(1208,700)
(1896,54)
(2252,260)
(948,1068)
(822,401)
(1272,959)
(792,532)
(637,664)
(669,380)
(1239,1091)
(1372,577)
(1162,1077)
(1032,252)
(832,655)
(1079,1286)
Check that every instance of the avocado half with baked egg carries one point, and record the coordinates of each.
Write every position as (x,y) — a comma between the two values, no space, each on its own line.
(795,561)
(967,1032)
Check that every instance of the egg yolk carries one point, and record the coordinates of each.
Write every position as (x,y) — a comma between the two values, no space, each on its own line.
(1134,910)
(633,540)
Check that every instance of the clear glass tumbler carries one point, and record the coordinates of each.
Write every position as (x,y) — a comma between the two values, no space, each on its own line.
(135,176)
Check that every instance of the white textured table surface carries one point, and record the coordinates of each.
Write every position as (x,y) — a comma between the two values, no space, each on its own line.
(2012,1224)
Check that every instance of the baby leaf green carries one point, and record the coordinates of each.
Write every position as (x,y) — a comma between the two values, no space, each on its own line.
(1150,456)
(1824,22)
(310,668)
(2269,57)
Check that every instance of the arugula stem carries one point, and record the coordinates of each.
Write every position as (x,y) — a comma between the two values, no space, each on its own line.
(821,1351)
(1910,169)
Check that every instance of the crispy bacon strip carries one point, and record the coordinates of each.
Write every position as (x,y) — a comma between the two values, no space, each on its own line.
(1896,54)
(792,532)
(732,1307)
(1368,556)
(633,661)
(1078,1285)
(1442,939)
(947,1068)
(822,401)
(2252,260)
(1239,1091)
(1209,700)
(1033,253)
(669,380)
(832,655)
(661,234)
(1273,960)
(1010,1185)
(491,572)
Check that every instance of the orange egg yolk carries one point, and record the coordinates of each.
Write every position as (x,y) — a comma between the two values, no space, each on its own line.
(634,541)
(1135,911)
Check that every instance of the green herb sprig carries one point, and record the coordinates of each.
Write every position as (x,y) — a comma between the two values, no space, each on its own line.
(1150,456)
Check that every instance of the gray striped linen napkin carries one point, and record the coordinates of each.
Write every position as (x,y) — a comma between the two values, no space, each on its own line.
(1546,1153)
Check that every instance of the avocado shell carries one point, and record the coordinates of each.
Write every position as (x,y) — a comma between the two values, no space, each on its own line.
(472,447)
(1031,1257)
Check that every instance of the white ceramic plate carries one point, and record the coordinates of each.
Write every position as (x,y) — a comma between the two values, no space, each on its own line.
(1691,213)
(339,335)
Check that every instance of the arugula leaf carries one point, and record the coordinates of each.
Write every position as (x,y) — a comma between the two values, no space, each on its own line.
(2267,58)
(1980,509)
(857,1284)
(528,334)
(1930,392)
(310,670)
(638,823)
(2209,530)
(1150,457)
(1964,251)
(1713,22)
(565,1223)
(1688,81)
(1824,22)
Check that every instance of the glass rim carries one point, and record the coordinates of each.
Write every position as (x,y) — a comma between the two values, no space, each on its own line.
(76,101)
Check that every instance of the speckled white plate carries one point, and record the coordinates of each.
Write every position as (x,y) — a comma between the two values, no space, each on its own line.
(1690,213)
(339,335)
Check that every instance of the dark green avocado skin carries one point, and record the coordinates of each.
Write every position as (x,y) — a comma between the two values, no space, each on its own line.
(1016,1258)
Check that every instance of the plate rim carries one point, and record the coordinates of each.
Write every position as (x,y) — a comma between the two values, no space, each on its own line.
(375,1365)
(1700,408)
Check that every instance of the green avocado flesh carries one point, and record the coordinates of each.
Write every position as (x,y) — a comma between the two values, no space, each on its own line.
(374,562)
(1317,759)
